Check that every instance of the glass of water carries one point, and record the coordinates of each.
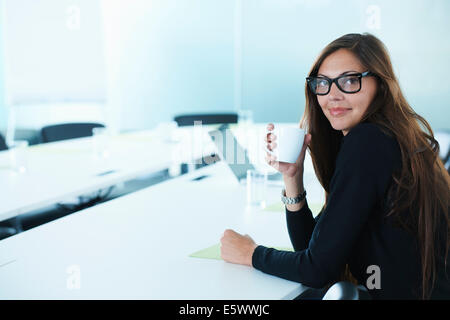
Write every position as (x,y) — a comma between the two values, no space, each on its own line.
(100,141)
(256,188)
(18,155)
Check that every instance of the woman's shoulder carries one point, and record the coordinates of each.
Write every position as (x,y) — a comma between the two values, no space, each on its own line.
(366,135)
(370,140)
(369,129)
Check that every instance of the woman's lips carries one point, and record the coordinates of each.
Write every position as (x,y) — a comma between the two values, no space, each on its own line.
(338,111)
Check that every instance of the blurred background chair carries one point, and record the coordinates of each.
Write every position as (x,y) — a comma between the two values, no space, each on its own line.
(60,132)
(68,131)
(443,137)
(6,230)
(3,145)
(206,118)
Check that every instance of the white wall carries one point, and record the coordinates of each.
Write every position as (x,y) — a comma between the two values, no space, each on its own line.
(165,57)
(281,40)
(3,113)
(53,51)
(169,57)
(196,55)
(53,63)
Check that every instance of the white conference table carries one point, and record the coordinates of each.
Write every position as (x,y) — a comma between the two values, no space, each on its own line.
(62,170)
(138,246)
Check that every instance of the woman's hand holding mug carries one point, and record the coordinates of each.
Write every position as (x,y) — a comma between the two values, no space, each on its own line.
(292,171)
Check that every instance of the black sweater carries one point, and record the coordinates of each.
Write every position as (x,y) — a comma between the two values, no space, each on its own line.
(353,229)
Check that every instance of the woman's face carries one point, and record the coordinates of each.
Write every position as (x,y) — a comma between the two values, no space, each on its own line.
(345,110)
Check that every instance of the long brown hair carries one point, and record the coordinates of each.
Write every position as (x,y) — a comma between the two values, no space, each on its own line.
(423,184)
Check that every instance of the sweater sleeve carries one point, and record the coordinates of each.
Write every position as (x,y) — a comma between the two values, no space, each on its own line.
(300,226)
(363,171)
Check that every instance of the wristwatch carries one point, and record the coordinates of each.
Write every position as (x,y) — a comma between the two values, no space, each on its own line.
(288,200)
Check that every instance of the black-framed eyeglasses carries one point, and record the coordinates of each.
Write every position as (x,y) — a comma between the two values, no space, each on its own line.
(347,83)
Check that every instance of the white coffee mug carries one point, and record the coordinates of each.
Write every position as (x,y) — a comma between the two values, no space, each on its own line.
(289,143)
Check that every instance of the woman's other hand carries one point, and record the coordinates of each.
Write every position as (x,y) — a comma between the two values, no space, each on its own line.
(237,248)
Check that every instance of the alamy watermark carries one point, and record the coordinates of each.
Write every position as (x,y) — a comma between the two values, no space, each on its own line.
(73,281)
(73,21)
(374,280)
(205,145)
(373,21)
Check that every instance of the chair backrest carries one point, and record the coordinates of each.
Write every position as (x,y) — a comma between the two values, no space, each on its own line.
(206,118)
(3,145)
(443,137)
(68,131)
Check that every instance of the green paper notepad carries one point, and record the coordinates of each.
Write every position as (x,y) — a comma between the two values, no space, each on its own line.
(213,252)
(275,207)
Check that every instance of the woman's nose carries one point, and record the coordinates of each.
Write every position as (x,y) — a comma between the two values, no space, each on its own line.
(335,93)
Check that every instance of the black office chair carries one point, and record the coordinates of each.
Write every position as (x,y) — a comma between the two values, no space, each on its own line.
(342,290)
(206,118)
(6,232)
(64,132)
(3,145)
(345,290)
(5,229)
(68,131)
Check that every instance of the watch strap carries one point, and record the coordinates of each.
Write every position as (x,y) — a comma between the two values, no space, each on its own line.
(292,200)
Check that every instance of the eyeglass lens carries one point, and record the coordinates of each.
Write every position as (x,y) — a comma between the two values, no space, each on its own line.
(347,84)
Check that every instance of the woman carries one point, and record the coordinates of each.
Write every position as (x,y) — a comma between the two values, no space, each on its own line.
(387,192)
